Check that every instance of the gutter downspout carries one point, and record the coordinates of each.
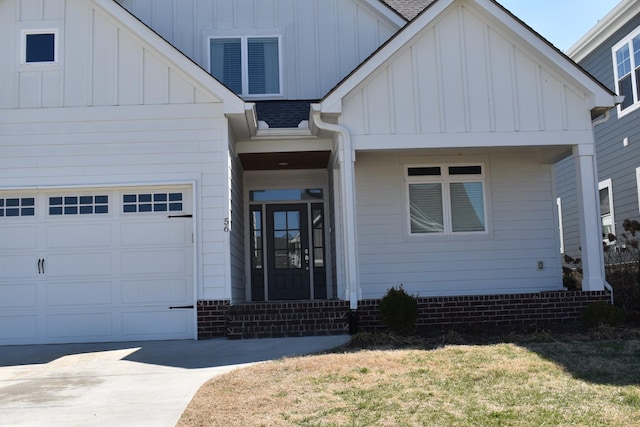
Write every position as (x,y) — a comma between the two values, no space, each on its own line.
(595,123)
(346,157)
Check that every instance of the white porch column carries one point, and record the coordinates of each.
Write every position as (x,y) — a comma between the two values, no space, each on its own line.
(589,218)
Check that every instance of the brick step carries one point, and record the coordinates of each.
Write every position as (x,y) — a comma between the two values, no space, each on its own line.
(287,319)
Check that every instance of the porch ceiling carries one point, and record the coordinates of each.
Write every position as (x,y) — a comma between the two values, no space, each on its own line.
(285,160)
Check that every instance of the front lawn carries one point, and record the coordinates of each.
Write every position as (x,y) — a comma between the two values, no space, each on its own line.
(568,381)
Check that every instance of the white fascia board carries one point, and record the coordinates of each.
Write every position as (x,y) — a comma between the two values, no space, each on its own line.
(601,97)
(232,103)
(604,29)
(332,104)
(386,11)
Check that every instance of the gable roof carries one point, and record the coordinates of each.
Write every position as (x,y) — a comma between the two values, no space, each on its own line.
(232,103)
(409,9)
(605,28)
(603,97)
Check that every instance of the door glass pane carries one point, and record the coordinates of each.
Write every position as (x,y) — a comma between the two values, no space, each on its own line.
(256,239)
(293,220)
(279,220)
(467,207)
(426,208)
(280,239)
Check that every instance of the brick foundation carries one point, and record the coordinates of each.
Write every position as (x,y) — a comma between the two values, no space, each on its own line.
(490,310)
(308,318)
(212,319)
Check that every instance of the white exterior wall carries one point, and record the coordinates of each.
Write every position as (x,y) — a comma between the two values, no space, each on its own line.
(322,40)
(117,113)
(114,146)
(100,62)
(520,221)
(464,74)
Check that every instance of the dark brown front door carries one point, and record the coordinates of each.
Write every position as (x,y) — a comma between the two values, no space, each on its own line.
(288,252)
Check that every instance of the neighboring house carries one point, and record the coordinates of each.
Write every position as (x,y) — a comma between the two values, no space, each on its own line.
(340,150)
(610,51)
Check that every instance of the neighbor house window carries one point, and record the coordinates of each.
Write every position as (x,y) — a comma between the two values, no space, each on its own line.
(626,60)
(246,65)
(446,199)
(606,210)
(40,47)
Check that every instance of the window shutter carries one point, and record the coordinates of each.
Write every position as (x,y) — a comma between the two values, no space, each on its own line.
(426,208)
(226,62)
(263,65)
(467,206)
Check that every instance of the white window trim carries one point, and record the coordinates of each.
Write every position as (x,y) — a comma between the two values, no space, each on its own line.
(602,185)
(627,40)
(244,62)
(23,47)
(445,179)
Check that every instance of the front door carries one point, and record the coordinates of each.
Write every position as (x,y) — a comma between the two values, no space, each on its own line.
(288,257)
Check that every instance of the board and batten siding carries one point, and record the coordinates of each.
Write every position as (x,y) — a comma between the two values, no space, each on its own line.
(100,61)
(463,74)
(322,40)
(521,230)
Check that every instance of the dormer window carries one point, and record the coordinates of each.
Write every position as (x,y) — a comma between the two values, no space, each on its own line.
(40,47)
(626,61)
(247,65)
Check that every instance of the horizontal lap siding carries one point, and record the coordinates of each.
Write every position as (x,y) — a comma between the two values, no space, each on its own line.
(521,222)
(615,161)
(127,145)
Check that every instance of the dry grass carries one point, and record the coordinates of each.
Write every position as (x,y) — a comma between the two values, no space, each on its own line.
(532,384)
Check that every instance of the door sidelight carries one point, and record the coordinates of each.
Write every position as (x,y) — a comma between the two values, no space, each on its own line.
(306,259)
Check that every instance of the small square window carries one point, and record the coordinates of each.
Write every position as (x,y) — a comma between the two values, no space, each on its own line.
(40,47)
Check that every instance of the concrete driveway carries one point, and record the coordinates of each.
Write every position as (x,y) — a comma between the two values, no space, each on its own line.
(125,384)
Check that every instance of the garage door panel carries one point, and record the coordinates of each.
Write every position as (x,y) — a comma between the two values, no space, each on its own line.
(160,262)
(81,264)
(79,293)
(163,290)
(17,237)
(19,295)
(82,275)
(78,236)
(18,328)
(18,266)
(158,233)
(79,325)
(164,322)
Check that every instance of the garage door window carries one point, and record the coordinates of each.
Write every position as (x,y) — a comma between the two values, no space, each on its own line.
(78,205)
(152,202)
(17,206)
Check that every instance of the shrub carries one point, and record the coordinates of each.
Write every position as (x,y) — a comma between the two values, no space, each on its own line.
(602,313)
(398,311)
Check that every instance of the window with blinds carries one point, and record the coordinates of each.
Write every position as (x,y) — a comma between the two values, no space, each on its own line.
(247,65)
(446,199)
(626,66)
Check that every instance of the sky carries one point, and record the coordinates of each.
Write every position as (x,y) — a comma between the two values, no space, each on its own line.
(562,22)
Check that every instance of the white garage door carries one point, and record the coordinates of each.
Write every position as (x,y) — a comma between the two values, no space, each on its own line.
(96,265)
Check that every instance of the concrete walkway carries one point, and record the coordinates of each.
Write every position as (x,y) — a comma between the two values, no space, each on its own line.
(125,384)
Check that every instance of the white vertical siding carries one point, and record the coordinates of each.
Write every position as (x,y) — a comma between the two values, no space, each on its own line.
(322,40)
(521,226)
(101,63)
(468,75)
